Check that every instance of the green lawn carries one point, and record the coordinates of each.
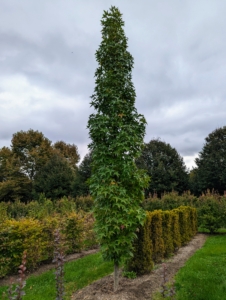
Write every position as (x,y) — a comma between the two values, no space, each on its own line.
(204,275)
(78,274)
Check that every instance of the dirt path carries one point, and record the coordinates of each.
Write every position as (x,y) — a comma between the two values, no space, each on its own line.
(142,287)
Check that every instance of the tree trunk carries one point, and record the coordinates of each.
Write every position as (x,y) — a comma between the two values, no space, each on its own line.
(116,276)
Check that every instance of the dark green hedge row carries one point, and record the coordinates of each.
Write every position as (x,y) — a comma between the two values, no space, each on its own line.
(161,235)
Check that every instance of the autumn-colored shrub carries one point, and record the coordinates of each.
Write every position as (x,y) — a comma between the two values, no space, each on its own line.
(37,236)
(74,232)
(18,236)
(65,205)
(84,202)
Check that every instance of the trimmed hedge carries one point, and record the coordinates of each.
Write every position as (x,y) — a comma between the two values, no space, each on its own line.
(162,234)
(211,207)
(143,249)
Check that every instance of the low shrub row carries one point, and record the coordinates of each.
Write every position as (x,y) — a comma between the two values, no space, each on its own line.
(36,237)
(211,207)
(161,235)
(43,207)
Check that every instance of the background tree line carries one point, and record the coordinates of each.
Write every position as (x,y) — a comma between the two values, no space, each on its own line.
(33,165)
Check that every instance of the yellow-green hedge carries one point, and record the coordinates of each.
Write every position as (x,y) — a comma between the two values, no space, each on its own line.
(162,234)
(143,249)
(36,237)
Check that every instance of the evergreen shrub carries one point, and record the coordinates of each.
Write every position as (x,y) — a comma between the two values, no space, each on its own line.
(157,236)
(143,249)
(175,227)
(167,233)
(161,235)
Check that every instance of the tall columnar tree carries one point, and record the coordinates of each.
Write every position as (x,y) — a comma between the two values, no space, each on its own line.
(117,132)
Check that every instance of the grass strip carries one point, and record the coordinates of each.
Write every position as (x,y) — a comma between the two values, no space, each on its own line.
(78,274)
(204,275)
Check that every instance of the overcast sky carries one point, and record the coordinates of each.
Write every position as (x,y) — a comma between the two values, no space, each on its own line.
(47,65)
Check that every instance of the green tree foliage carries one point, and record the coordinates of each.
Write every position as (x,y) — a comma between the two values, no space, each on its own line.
(13,183)
(80,185)
(33,150)
(117,132)
(69,152)
(54,179)
(30,152)
(211,163)
(165,167)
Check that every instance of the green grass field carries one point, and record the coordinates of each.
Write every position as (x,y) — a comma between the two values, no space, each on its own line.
(204,275)
(78,274)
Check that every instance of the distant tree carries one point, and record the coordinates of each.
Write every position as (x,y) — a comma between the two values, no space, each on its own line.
(211,163)
(80,185)
(33,150)
(54,179)
(14,185)
(165,167)
(117,132)
(30,154)
(69,152)
(193,182)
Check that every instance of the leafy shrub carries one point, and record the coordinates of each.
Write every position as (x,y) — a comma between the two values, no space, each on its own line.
(212,212)
(3,212)
(37,236)
(74,232)
(84,202)
(211,207)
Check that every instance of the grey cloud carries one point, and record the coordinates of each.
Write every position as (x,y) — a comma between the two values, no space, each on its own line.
(179,73)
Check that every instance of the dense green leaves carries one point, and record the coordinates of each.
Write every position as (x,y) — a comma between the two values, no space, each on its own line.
(14,184)
(54,179)
(67,151)
(211,164)
(80,185)
(30,156)
(165,167)
(33,150)
(117,132)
